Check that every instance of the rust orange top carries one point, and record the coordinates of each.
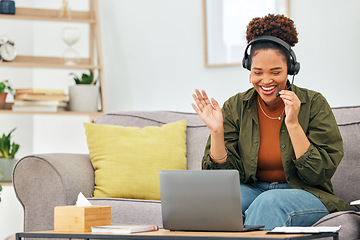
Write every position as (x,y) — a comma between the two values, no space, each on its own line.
(270,167)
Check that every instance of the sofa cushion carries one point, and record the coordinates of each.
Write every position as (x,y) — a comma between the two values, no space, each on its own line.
(349,221)
(197,132)
(132,211)
(348,119)
(127,159)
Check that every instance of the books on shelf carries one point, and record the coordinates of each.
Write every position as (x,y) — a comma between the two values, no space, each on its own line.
(39,91)
(38,108)
(124,228)
(41,97)
(27,103)
(39,100)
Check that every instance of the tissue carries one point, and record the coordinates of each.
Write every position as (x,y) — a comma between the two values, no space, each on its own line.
(82,201)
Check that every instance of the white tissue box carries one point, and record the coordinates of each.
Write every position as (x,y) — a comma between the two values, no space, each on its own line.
(81,219)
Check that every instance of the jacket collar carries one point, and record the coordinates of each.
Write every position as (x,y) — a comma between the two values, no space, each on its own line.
(300,93)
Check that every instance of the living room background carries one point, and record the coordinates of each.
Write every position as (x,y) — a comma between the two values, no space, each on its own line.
(154,59)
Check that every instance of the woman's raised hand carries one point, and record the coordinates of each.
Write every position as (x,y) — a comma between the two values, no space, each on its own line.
(292,107)
(210,112)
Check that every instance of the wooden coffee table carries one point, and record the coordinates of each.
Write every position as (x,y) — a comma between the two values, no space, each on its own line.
(175,235)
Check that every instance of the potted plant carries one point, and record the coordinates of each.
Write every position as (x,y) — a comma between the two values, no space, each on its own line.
(5,88)
(8,149)
(84,95)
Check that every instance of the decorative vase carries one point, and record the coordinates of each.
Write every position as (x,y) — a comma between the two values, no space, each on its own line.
(3,100)
(84,98)
(7,166)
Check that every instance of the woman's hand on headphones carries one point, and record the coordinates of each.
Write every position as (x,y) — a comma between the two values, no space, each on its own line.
(209,111)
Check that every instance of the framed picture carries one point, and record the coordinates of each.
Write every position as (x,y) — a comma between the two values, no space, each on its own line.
(225,23)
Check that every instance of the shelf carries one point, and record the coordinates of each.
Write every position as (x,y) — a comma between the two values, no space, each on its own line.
(6,183)
(93,62)
(8,110)
(48,62)
(49,15)
(92,115)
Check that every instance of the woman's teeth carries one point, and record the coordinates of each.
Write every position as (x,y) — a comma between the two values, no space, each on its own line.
(268,88)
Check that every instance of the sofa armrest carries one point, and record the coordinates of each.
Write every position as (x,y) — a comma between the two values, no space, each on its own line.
(43,181)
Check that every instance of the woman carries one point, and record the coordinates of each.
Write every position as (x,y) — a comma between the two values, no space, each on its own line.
(285,148)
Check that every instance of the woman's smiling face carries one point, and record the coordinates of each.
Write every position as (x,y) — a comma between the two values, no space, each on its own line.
(269,74)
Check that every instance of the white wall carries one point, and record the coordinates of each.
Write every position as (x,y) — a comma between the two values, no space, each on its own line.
(153,60)
(154,53)
(11,213)
(328,48)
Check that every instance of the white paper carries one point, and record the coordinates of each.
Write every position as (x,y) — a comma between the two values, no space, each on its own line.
(305,229)
(82,201)
(357,202)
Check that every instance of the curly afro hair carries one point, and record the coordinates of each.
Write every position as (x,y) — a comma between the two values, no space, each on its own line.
(275,25)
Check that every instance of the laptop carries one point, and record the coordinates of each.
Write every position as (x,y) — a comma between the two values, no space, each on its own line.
(201,200)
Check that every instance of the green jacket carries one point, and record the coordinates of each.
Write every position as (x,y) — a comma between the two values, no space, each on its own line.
(312,171)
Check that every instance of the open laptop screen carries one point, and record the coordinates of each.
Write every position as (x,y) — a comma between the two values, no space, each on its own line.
(201,200)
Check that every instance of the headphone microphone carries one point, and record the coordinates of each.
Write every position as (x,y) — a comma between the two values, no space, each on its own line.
(292,82)
(294,67)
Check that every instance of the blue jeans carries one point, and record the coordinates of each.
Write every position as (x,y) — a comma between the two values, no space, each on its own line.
(278,204)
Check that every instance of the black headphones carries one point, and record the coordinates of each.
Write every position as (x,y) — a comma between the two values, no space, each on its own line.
(294,67)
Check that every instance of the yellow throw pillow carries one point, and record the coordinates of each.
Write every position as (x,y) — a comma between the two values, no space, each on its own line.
(127,160)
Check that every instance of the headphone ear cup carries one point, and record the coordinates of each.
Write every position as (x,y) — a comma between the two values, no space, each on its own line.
(294,68)
(246,63)
(291,69)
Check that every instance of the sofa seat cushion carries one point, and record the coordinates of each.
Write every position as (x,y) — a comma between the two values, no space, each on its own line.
(127,160)
(349,221)
(345,176)
(132,211)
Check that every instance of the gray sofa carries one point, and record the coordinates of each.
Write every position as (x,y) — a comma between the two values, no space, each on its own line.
(43,181)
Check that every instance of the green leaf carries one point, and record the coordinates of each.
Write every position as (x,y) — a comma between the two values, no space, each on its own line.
(91,77)
(2,87)
(76,78)
(9,135)
(85,78)
(11,91)
(8,149)
(14,148)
